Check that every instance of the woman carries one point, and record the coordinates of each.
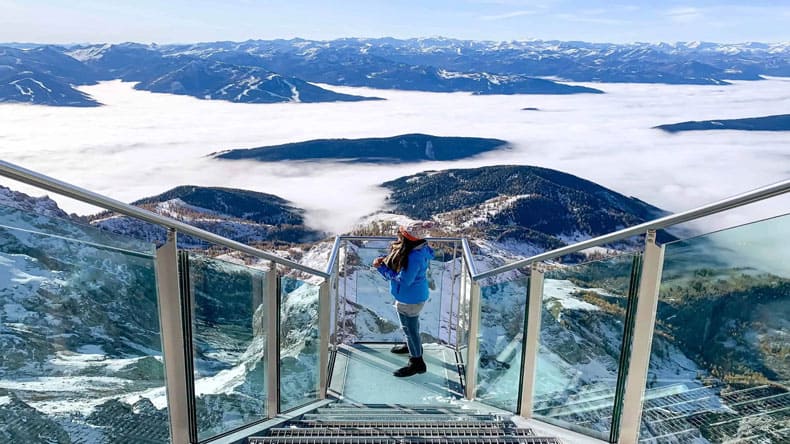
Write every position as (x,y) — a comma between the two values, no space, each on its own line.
(406,267)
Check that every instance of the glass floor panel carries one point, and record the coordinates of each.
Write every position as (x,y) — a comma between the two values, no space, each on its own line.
(362,374)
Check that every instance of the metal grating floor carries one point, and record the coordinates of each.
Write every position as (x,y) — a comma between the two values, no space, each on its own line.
(399,424)
(405,440)
(397,432)
(755,414)
(388,424)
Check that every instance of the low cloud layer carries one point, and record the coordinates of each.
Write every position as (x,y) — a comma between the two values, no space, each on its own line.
(141,143)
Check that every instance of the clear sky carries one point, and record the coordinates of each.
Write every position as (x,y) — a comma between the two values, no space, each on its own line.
(167,21)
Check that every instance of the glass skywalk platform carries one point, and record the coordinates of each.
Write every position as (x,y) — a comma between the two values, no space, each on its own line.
(107,337)
(362,374)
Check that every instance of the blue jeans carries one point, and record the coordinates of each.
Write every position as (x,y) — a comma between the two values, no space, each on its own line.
(411,328)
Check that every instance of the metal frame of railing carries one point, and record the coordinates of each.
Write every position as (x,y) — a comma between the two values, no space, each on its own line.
(172,313)
(175,314)
(341,242)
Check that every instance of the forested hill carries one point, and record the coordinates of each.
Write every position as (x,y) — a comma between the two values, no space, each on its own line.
(402,148)
(242,215)
(259,207)
(779,122)
(524,203)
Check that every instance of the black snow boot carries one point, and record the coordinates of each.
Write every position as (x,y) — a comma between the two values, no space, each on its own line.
(400,349)
(416,365)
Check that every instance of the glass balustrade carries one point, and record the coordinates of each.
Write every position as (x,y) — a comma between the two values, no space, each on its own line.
(445,273)
(81,353)
(583,325)
(371,314)
(501,338)
(462,316)
(369,309)
(299,340)
(228,304)
(720,360)
(81,348)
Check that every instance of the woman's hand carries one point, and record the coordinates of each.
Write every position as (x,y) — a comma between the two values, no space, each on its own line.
(378,261)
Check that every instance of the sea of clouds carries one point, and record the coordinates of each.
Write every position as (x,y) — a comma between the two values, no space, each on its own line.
(140,143)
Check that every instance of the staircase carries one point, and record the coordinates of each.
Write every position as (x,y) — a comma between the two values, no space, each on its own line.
(385,424)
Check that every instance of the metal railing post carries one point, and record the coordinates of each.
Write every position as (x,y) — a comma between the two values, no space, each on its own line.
(474,340)
(173,342)
(272,341)
(323,341)
(336,301)
(529,362)
(344,311)
(462,297)
(452,298)
(646,305)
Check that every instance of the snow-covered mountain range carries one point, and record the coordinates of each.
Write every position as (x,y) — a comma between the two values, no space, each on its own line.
(43,76)
(416,63)
(266,71)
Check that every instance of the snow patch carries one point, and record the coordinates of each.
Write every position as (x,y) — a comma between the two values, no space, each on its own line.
(561,292)
(91,350)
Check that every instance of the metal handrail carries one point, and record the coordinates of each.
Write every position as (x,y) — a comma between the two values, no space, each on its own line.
(756,195)
(333,255)
(470,260)
(391,238)
(48,183)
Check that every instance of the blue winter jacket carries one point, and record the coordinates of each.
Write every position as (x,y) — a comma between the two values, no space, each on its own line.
(410,285)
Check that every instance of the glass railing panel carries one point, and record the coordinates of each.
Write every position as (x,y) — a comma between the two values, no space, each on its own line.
(462,316)
(446,273)
(501,338)
(719,367)
(581,338)
(228,305)
(371,315)
(299,340)
(81,353)
(53,223)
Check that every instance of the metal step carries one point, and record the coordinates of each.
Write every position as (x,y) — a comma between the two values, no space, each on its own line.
(398,417)
(402,432)
(399,424)
(395,410)
(455,408)
(408,440)
(403,424)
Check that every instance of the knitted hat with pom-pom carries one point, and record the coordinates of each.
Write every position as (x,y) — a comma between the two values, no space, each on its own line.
(416,230)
